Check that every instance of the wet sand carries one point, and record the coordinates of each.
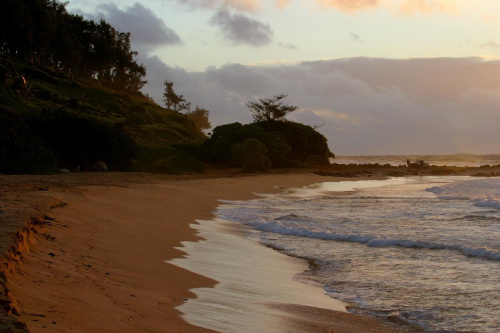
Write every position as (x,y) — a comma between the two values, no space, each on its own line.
(98,262)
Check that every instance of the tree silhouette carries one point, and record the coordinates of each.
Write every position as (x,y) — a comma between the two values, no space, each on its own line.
(270,109)
(200,118)
(172,100)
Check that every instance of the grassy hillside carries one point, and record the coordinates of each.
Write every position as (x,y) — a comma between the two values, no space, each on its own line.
(41,111)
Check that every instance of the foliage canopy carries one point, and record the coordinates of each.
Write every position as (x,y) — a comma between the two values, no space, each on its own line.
(270,109)
(287,144)
(43,32)
(252,155)
(172,100)
(200,118)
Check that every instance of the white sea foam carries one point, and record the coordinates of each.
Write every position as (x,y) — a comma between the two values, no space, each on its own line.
(373,241)
(482,192)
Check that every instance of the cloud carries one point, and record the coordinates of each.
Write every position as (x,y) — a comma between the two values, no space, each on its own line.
(245,5)
(349,5)
(399,6)
(491,16)
(427,6)
(491,45)
(268,63)
(355,37)
(287,46)
(368,105)
(147,30)
(241,29)
(241,5)
(282,3)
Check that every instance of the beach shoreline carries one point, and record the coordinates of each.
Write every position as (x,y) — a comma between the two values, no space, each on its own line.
(101,248)
(269,298)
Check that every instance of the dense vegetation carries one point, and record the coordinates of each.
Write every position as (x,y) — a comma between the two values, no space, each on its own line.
(70,96)
(48,122)
(43,32)
(287,144)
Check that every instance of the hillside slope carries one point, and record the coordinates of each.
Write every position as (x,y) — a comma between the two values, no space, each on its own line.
(49,120)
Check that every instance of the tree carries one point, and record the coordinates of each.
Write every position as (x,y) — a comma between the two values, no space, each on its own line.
(200,118)
(252,154)
(270,109)
(172,100)
(43,32)
(306,143)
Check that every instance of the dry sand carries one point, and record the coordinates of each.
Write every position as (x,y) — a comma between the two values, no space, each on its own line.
(99,263)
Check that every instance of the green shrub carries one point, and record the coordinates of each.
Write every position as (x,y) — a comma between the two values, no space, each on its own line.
(135,120)
(114,107)
(307,145)
(80,141)
(277,147)
(252,155)
(219,148)
(158,118)
(178,164)
(288,144)
(21,152)
(168,159)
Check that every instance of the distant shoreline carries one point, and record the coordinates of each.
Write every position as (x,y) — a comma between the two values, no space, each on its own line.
(458,160)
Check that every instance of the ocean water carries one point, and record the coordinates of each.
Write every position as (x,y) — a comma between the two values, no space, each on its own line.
(459,160)
(424,250)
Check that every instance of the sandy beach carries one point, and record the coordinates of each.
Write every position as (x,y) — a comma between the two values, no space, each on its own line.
(96,261)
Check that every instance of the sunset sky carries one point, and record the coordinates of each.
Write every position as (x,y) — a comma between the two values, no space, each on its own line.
(380,76)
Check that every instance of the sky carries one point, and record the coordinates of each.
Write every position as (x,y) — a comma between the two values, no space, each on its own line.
(375,77)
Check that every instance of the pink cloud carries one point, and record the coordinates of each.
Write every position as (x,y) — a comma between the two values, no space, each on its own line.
(349,5)
(250,5)
(282,3)
(399,6)
(427,6)
(242,5)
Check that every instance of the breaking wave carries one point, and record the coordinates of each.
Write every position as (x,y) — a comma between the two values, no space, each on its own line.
(459,192)
(373,241)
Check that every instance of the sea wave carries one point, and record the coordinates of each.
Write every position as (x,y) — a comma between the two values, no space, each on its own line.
(435,189)
(454,197)
(481,192)
(374,241)
(487,202)
(440,192)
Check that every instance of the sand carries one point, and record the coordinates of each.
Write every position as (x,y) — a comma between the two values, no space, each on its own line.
(98,261)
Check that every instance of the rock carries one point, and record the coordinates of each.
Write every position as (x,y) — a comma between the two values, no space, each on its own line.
(100,166)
